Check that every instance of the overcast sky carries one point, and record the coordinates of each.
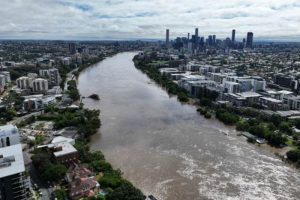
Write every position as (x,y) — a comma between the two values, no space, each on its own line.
(133,19)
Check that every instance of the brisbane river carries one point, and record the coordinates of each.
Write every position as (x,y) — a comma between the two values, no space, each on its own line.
(167,149)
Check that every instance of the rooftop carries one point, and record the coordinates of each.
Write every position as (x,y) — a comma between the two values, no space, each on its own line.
(193,77)
(67,148)
(8,130)
(285,92)
(63,139)
(13,162)
(249,94)
(289,113)
(271,99)
(168,70)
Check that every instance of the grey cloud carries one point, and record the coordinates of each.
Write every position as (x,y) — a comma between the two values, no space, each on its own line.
(63,19)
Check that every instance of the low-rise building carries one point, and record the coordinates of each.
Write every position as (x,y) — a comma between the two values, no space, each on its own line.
(209,69)
(231,87)
(82,183)
(167,71)
(66,61)
(242,99)
(64,152)
(37,102)
(292,102)
(270,103)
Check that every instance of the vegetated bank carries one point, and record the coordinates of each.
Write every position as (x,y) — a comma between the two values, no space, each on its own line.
(86,122)
(275,129)
(153,73)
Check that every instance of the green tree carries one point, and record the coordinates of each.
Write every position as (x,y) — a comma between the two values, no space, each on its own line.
(100,166)
(276,119)
(285,127)
(297,123)
(260,130)
(126,192)
(183,97)
(226,117)
(242,125)
(60,194)
(111,180)
(293,155)
(41,160)
(54,172)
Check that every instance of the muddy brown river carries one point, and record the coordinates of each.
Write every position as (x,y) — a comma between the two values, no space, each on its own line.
(167,149)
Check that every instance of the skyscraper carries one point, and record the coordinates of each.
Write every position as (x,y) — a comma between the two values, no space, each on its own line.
(233,36)
(196,32)
(72,48)
(249,43)
(202,41)
(167,38)
(214,40)
(210,40)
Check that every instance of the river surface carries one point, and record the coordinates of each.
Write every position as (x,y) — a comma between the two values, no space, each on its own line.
(167,149)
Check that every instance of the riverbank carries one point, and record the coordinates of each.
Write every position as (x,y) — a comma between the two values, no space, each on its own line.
(272,128)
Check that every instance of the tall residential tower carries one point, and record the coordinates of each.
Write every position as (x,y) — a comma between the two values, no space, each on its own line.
(233,36)
(167,38)
(249,42)
(13,181)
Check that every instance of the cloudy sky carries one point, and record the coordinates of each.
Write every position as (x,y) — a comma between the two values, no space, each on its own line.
(133,19)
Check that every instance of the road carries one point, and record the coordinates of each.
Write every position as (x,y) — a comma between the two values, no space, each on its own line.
(20,119)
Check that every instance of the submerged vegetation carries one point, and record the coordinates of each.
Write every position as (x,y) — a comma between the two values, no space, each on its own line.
(95,97)
(154,74)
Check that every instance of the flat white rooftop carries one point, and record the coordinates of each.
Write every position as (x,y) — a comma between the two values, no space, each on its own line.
(63,139)
(168,70)
(8,130)
(271,100)
(14,167)
(249,94)
(67,148)
(285,92)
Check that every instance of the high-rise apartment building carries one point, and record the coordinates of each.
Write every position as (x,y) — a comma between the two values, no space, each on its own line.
(24,82)
(249,42)
(40,85)
(233,36)
(72,48)
(167,38)
(13,182)
(52,75)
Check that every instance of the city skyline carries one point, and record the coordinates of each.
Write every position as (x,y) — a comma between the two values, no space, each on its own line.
(130,19)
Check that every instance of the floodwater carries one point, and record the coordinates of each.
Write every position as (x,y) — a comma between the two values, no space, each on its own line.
(167,149)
